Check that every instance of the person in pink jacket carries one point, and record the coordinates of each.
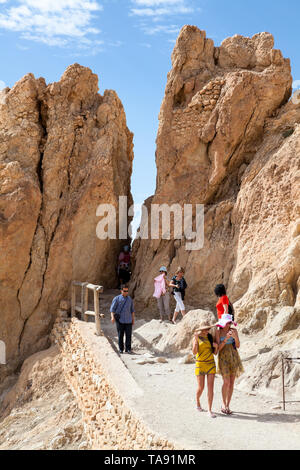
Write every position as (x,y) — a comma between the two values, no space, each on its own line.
(161,292)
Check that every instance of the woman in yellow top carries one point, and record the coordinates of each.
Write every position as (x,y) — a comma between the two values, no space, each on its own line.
(204,348)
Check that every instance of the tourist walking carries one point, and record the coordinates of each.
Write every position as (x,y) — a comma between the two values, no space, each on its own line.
(229,362)
(179,286)
(223,305)
(122,312)
(124,266)
(204,348)
(161,292)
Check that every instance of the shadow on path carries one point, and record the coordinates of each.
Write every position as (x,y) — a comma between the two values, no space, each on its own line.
(265,417)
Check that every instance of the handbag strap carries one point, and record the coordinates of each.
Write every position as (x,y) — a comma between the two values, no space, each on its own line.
(123,306)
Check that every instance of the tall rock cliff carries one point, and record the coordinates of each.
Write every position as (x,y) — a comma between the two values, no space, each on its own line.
(229,139)
(64,149)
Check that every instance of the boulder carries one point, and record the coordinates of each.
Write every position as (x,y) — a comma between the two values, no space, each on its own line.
(179,338)
(187,359)
(258,320)
(161,360)
(265,373)
(287,319)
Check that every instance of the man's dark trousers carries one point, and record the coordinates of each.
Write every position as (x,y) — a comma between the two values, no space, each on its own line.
(127,329)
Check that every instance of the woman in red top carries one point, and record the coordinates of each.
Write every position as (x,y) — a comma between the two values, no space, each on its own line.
(223,302)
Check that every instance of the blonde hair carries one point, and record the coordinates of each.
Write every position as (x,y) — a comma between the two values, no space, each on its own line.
(180,270)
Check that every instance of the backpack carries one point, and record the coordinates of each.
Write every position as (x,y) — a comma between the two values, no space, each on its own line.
(231,310)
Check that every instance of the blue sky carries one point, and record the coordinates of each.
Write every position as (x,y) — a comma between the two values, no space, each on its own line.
(128,43)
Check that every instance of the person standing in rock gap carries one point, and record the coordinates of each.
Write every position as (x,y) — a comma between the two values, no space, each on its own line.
(122,312)
(223,306)
(179,285)
(161,292)
(124,266)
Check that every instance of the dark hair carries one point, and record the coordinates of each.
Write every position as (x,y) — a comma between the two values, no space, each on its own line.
(220,290)
(211,340)
(124,286)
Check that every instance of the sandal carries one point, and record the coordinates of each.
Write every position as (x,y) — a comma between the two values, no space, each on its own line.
(229,412)
(198,408)
(224,411)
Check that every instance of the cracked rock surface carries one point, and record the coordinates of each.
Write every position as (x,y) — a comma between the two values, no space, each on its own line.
(64,149)
(229,138)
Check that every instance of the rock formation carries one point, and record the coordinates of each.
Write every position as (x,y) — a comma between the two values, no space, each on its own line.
(229,139)
(40,412)
(64,149)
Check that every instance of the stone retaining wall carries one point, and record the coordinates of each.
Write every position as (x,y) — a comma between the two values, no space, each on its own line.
(109,418)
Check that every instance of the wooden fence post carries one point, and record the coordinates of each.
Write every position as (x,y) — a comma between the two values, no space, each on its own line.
(73,299)
(97,312)
(85,302)
(83,308)
(283,385)
(83,299)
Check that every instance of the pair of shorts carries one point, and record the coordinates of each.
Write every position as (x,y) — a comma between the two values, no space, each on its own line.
(179,302)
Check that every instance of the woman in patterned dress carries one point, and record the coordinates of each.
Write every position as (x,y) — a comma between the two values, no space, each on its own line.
(204,348)
(229,362)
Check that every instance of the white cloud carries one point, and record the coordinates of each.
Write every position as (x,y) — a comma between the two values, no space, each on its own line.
(160,8)
(155,3)
(60,5)
(53,22)
(155,12)
(151,3)
(2,85)
(156,15)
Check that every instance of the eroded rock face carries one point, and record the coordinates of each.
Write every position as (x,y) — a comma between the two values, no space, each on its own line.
(228,139)
(215,106)
(40,412)
(64,149)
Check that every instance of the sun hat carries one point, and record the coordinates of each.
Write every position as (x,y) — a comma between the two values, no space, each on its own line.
(224,320)
(203,325)
(163,268)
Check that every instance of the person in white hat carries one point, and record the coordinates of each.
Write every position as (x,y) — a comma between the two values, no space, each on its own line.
(179,285)
(229,361)
(204,348)
(161,292)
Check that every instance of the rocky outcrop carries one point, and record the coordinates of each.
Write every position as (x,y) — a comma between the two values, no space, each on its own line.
(229,139)
(40,412)
(64,149)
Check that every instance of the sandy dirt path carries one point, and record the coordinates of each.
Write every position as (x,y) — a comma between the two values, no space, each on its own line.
(168,405)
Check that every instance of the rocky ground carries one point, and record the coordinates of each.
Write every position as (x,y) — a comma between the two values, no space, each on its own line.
(43,412)
(169,384)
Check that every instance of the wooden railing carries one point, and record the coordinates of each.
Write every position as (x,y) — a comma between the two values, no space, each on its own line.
(83,306)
